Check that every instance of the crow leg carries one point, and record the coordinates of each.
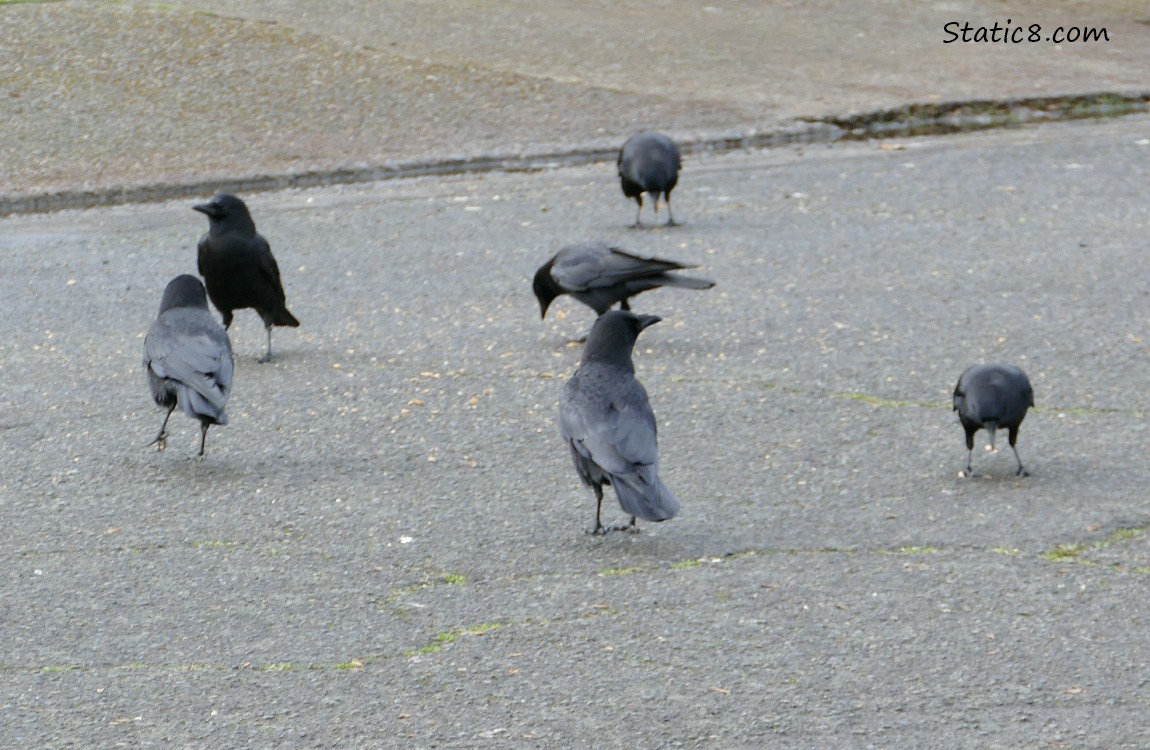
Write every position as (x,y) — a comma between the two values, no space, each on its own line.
(638,211)
(600,530)
(630,528)
(969,449)
(161,440)
(268,356)
(203,436)
(670,219)
(969,468)
(1020,472)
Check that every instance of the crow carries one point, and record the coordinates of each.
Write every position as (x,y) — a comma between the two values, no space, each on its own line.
(990,397)
(599,275)
(649,163)
(608,424)
(188,358)
(238,267)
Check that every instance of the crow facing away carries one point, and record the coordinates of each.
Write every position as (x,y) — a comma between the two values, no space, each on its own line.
(608,424)
(238,267)
(188,358)
(649,163)
(599,275)
(990,397)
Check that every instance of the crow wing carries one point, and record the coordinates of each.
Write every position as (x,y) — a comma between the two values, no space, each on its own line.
(595,265)
(607,420)
(186,346)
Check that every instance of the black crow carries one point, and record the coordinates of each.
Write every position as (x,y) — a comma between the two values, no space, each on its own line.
(188,358)
(599,275)
(990,397)
(649,163)
(238,266)
(607,422)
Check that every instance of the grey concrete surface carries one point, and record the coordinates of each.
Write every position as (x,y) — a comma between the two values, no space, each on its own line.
(104,96)
(386,547)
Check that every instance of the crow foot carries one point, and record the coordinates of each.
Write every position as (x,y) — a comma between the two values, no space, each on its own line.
(602,530)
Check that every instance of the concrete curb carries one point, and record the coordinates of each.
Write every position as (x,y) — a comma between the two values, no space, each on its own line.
(910,120)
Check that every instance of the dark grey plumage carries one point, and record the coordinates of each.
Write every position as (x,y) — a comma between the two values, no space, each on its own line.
(238,266)
(606,419)
(991,397)
(188,358)
(599,275)
(649,163)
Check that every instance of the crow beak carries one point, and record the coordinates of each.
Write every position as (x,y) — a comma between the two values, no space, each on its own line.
(646,321)
(205,208)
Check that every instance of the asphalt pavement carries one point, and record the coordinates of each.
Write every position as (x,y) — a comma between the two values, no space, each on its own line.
(387,547)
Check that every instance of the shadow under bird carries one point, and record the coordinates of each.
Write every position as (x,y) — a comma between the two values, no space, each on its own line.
(649,163)
(606,419)
(188,358)
(599,275)
(992,397)
(238,267)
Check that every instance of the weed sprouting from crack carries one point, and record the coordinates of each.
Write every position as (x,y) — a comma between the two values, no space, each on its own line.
(910,550)
(450,636)
(289,667)
(448,579)
(1064,552)
(1072,552)
(1122,535)
(215,544)
(619,571)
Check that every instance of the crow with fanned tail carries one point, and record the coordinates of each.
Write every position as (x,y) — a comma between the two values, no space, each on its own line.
(188,358)
(238,266)
(599,275)
(991,397)
(606,419)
